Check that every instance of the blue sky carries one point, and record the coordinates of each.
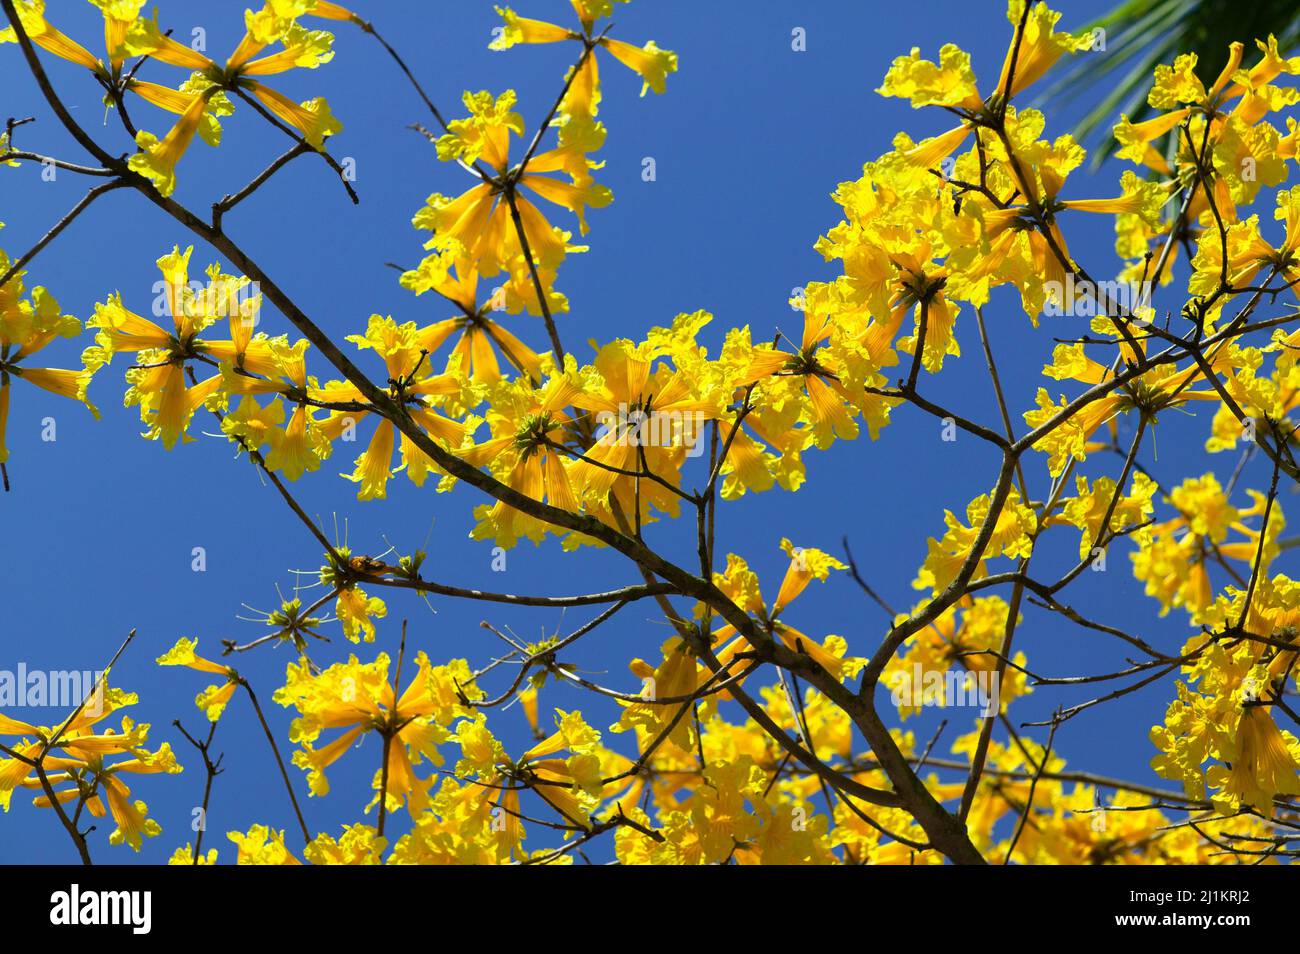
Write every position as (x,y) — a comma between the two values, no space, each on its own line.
(749,142)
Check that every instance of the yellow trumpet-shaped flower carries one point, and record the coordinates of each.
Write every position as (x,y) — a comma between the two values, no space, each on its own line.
(806,565)
(492,225)
(313,118)
(262,846)
(160,383)
(157,159)
(950,82)
(360,699)
(653,64)
(479,334)
(667,686)
(26,328)
(179,101)
(650,414)
(1040,46)
(212,700)
(519,29)
(589,11)
(276,22)
(31,14)
(1265,764)
(119,16)
(527,430)
(741,585)
(402,348)
(76,759)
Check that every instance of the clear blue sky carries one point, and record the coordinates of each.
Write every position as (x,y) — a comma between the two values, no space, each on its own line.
(749,142)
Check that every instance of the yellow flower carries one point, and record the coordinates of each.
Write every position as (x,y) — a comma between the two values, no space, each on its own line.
(133,823)
(1174,556)
(357,612)
(179,101)
(650,414)
(275,22)
(313,118)
(212,700)
(1040,46)
(31,14)
(1265,765)
(1087,510)
(591,10)
(477,226)
(457,281)
(262,846)
(360,845)
(1012,536)
(185,856)
(27,327)
(159,385)
(82,771)
(156,159)
(404,352)
(741,585)
(526,425)
(951,82)
(359,699)
(806,565)
(519,29)
(652,63)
